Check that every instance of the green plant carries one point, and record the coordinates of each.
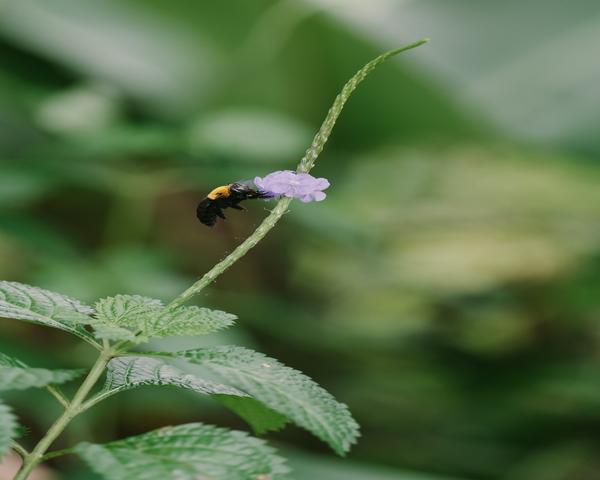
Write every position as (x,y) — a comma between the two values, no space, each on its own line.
(260,389)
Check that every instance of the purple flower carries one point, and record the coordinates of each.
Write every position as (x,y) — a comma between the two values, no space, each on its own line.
(294,185)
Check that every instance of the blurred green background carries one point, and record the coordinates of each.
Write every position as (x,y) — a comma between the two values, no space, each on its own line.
(448,290)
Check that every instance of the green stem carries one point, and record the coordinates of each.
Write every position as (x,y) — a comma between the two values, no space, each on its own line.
(71,411)
(17,447)
(266,225)
(305,165)
(315,149)
(57,453)
(58,395)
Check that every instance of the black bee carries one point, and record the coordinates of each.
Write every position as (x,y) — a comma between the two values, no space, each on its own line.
(223,197)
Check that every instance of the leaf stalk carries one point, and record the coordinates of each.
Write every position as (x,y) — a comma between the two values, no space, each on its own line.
(31,460)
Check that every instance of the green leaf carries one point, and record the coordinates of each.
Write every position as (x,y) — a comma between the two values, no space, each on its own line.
(8,428)
(32,304)
(137,319)
(125,373)
(122,316)
(15,375)
(283,389)
(248,134)
(183,321)
(103,331)
(126,310)
(261,418)
(186,452)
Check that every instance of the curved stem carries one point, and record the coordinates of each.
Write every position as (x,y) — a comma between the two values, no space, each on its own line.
(17,447)
(266,225)
(71,411)
(315,149)
(305,165)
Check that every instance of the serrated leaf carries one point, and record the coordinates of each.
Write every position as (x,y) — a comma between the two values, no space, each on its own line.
(261,418)
(126,310)
(125,373)
(137,319)
(183,321)
(8,428)
(104,331)
(283,389)
(36,305)
(122,316)
(186,452)
(15,375)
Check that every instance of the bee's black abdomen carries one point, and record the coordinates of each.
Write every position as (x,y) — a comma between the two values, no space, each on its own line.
(208,211)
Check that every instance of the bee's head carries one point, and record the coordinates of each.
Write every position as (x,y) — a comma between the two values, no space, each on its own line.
(220,192)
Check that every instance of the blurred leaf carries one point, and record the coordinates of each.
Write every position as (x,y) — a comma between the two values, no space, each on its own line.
(121,139)
(515,222)
(557,462)
(36,235)
(311,467)
(122,269)
(282,389)
(8,428)
(129,372)
(258,416)
(185,452)
(21,183)
(156,54)
(24,302)
(15,375)
(253,135)
(85,108)
(499,74)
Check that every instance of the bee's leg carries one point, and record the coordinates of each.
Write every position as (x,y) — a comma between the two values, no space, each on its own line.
(220,213)
(237,207)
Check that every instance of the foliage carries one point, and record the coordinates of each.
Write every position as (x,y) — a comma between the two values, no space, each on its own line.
(185,452)
(15,375)
(137,319)
(128,372)
(283,390)
(8,428)
(447,289)
(270,393)
(36,305)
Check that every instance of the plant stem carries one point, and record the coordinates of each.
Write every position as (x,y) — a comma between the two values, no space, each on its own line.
(60,397)
(57,453)
(316,147)
(209,277)
(17,447)
(71,411)
(305,165)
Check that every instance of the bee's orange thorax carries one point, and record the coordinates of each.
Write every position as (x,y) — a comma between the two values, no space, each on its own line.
(219,192)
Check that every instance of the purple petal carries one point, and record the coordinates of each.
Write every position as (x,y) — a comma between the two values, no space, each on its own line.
(294,185)
(322,183)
